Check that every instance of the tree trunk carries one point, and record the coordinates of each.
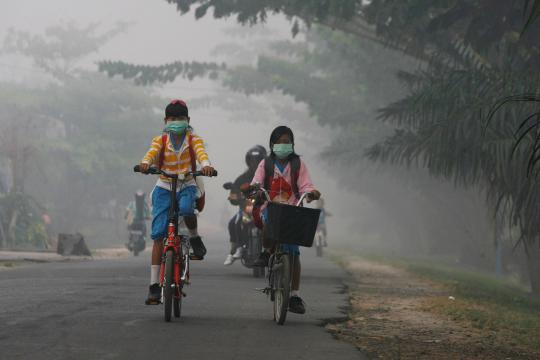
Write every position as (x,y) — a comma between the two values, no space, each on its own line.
(11,228)
(533,265)
(3,235)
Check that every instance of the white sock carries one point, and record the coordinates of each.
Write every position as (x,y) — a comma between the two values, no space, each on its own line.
(295,293)
(193,232)
(154,274)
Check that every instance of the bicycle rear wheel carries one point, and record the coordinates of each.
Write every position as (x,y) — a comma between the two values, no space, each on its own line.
(168,290)
(282,289)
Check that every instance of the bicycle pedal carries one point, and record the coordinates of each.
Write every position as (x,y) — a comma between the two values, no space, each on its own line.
(152,302)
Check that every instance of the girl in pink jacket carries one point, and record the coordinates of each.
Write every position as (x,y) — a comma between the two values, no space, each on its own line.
(285,177)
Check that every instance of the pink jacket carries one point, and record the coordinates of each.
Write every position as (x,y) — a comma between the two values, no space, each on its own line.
(281,189)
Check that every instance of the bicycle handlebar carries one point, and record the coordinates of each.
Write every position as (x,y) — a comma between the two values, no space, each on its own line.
(156,171)
(258,188)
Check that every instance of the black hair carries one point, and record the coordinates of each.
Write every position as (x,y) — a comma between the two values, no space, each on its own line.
(177,108)
(276,134)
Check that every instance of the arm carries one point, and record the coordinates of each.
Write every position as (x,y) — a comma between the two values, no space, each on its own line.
(258,178)
(200,151)
(152,154)
(305,185)
(202,157)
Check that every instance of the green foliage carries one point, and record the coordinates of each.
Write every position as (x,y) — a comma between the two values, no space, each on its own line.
(20,217)
(147,75)
(60,49)
(82,130)
(251,12)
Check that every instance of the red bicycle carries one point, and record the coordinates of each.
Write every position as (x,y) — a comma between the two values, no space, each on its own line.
(174,272)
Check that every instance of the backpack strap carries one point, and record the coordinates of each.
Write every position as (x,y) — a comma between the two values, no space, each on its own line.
(268,172)
(161,157)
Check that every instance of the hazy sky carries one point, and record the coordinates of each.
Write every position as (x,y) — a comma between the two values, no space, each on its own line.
(159,35)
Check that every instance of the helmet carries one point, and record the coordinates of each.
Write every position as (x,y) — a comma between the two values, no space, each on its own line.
(255,155)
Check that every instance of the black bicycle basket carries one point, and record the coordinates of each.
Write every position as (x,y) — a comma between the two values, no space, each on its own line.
(288,224)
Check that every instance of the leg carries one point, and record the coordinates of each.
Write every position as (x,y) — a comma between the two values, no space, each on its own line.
(157,252)
(296,304)
(296,269)
(232,234)
(229,260)
(186,206)
(160,209)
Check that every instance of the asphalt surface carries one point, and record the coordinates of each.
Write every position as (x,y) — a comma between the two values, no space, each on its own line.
(95,309)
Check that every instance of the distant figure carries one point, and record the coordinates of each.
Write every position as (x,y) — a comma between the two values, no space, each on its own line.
(137,212)
(319,204)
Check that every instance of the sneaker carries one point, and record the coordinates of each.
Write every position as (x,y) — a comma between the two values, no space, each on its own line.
(262,260)
(199,250)
(238,253)
(154,295)
(297,305)
(229,260)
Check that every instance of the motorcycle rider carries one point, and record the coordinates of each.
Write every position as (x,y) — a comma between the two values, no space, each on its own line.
(253,157)
(321,226)
(137,212)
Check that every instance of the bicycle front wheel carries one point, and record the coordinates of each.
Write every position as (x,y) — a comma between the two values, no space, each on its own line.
(178,305)
(282,289)
(168,290)
(178,297)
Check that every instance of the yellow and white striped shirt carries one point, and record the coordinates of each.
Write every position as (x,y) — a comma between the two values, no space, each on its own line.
(176,162)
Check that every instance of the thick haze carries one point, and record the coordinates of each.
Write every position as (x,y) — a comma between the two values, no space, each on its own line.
(158,34)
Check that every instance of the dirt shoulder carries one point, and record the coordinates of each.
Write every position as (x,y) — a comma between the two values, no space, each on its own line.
(398,314)
(11,259)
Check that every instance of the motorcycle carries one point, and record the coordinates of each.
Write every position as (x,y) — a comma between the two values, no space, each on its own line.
(136,242)
(252,245)
(250,236)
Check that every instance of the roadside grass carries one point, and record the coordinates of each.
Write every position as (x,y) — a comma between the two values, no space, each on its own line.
(10,263)
(485,302)
(480,300)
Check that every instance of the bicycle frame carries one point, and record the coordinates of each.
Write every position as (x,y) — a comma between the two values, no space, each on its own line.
(175,248)
(177,243)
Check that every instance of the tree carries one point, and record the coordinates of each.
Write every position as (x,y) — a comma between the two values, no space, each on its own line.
(470,52)
(86,126)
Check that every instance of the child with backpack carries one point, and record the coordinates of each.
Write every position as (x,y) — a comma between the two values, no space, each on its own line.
(285,176)
(176,151)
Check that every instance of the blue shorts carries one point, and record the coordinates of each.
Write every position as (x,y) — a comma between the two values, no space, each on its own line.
(286,248)
(160,208)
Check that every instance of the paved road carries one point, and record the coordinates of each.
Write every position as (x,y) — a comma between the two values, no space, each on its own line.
(94,310)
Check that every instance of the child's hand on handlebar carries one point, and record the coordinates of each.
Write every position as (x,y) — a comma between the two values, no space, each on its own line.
(313,195)
(207,171)
(144,167)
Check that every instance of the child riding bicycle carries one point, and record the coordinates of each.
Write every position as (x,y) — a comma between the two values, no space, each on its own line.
(286,177)
(176,151)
